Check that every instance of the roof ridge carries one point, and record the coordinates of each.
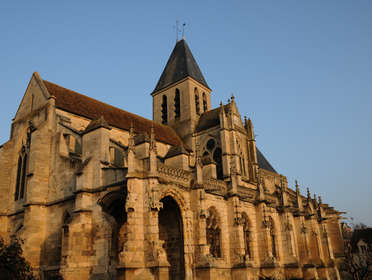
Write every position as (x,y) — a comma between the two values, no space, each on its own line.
(96,100)
(90,108)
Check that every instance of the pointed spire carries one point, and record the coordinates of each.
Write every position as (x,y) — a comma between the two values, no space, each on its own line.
(232,97)
(152,138)
(131,137)
(320,200)
(298,197)
(315,201)
(308,194)
(223,120)
(250,130)
(245,123)
(181,64)
(297,188)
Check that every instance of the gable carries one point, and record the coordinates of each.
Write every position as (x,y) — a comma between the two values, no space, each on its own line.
(35,97)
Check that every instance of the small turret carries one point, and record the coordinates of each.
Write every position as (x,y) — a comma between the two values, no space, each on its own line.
(298,197)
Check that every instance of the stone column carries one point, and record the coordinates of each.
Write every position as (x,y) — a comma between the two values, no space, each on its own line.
(158,260)
(132,257)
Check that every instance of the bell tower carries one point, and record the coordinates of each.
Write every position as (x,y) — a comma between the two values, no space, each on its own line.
(181,94)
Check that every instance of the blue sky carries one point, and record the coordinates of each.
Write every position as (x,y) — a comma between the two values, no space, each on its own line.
(301,70)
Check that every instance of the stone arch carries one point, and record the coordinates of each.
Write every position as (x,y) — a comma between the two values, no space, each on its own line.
(114,213)
(171,232)
(178,197)
(213,153)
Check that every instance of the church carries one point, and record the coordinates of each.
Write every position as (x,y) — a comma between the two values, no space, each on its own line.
(97,192)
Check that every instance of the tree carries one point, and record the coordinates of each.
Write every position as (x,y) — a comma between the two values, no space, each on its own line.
(12,264)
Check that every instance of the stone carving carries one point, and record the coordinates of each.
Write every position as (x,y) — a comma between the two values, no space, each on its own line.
(154,202)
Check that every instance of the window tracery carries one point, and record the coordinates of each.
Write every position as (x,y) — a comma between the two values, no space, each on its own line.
(212,152)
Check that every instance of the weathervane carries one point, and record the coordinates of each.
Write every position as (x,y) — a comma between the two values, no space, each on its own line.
(179,31)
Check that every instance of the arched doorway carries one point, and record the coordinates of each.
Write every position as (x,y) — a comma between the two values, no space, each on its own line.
(113,204)
(171,231)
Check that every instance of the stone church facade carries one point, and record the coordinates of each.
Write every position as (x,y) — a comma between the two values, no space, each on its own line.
(96,192)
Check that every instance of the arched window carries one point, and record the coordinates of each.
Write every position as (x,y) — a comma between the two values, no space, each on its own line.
(247,235)
(23,178)
(21,174)
(197,102)
(242,165)
(177,105)
(213,233)
(204,102)
(164,110)
(217,157)
(19,171)
(272,237)
(212,151)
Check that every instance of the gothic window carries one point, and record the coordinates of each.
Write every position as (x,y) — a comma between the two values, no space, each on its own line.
(213,233)
(19,170)
(212,151)
(177,105)
(197,102)
(204,102)
(241,159)
(211,144)
(164,111)
(23,178)
(21,175)
(217,157)
(272,237)
(242,165)
(247,235)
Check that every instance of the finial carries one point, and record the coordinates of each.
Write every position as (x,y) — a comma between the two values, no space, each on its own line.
(177,30)
(131,130)
(152,132)
(228,100)
(246,122)
(221,104)
(308,193)
(232,97)
(183,30)
(320,200)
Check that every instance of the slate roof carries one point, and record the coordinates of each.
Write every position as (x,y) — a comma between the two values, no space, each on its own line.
(263,162)
(208,119)
(175,151)
(93,109)
(181,64)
